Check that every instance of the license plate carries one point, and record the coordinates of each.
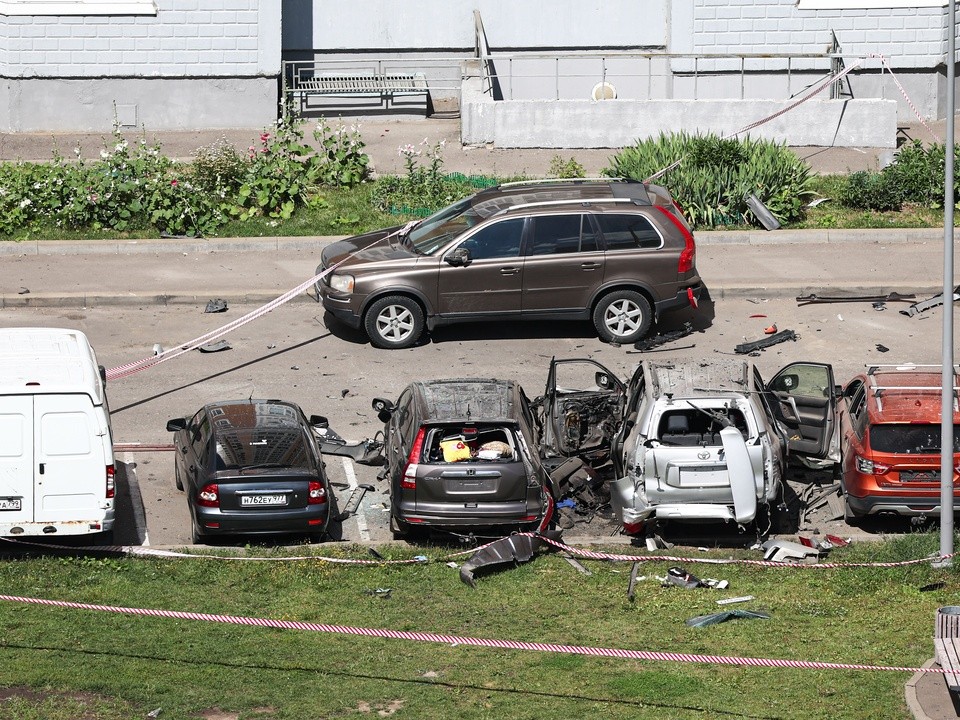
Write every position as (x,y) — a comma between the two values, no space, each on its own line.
(251,500)
(10,503)
(920,476)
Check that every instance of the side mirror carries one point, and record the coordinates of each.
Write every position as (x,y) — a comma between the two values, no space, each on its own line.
(177,424)
(786,383)
(458,258)
(602,380)
(319,421)
(384,409)
(103,374)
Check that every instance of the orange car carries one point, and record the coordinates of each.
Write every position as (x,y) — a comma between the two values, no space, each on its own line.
(890,441)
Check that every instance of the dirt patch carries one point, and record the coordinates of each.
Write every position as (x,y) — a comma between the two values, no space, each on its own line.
(77,705)
(382,710)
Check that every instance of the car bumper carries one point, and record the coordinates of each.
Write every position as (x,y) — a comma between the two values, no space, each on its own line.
(342,308)
(685,297)
(906,505)
(312,519)
(454,515)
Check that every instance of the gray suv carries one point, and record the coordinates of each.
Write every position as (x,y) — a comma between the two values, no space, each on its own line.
(618,252)
(461,455)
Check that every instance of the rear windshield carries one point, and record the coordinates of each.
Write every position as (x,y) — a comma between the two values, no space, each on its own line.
(691,427)
(241,448)
(474,443)
(910,439)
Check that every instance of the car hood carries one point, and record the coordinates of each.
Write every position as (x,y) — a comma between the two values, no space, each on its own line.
(374,246)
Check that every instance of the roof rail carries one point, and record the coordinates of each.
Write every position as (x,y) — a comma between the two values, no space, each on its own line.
(571,201)
(549,181)
(876,389)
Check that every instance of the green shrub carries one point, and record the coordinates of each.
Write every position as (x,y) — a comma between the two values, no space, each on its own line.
(424,189)
(879,191)
(711,177)
(343,161)
(560,168)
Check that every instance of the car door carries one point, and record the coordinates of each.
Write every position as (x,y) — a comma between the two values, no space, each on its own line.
(806,409)
(562,265)
(490,283)
(635,393)
(581,410)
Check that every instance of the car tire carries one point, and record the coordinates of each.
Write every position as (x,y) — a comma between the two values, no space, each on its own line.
(177,480)
(394,322)
(399,529)
(195,537)
(623,316)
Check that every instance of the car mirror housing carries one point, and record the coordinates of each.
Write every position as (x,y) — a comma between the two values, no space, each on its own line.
(458,258)
(383,408)
(176,424)
(319,421)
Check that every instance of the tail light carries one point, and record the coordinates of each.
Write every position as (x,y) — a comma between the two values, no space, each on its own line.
(409,479)
(209,496)
(111,482)
(316,494)
(689,251)
(870,467)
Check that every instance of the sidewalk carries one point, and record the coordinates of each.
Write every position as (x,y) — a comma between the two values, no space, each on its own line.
(779,264)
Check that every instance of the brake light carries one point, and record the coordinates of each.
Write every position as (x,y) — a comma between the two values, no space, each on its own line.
(409,479)
(209,496)
(870,467)
(316,494)
(111,482)
(689,251)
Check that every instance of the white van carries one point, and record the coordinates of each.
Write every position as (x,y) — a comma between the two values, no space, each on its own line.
(56,448)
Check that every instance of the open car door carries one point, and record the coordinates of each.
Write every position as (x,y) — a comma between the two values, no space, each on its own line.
(581,410)
(805,403)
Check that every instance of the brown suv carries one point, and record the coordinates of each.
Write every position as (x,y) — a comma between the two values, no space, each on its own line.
(618,252)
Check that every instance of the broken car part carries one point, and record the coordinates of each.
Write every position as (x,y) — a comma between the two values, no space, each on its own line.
(647,344)
(632,585)
(513,548)
(813,298)
(216,306)
(716,618)
(775,339)
(761,212)
(924,305)
(213,347)
(363,452)
(784,550)
(356,496)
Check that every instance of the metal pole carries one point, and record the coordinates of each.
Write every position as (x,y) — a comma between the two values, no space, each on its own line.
(947,399)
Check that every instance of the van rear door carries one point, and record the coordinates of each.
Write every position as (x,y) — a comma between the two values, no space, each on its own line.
(16,459)
(71,459)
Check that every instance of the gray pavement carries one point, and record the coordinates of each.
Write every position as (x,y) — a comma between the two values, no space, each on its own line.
(779,264)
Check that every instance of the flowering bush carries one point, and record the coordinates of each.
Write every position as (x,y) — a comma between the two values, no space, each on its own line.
(341,148)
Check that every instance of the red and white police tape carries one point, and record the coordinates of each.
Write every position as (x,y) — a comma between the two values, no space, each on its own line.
(457,640)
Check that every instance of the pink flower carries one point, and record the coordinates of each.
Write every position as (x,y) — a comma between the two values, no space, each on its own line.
(174,183)
(264,137)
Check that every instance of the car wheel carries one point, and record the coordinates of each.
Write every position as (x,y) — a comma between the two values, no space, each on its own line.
(177,480)
(623,316)
(195,535)
(394,322)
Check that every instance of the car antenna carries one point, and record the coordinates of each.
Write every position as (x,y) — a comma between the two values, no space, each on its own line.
(468,411)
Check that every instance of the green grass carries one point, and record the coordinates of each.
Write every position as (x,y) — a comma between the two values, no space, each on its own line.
(120,666)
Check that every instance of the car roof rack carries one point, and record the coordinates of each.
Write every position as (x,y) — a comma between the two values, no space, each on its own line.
(571,201)
(550,181)
(876,389)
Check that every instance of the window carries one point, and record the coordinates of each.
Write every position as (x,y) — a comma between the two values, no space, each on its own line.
(857,404)
(78,7)
(559,234)
(500,240)
(909,439)
(628,232)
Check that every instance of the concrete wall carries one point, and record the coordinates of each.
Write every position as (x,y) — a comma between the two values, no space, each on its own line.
(616,123)
(375,25)
(195,64)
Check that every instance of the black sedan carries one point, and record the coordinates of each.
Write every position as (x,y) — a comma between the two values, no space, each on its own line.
(251,467)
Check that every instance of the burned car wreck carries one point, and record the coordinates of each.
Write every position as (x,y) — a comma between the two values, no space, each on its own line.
(691,441)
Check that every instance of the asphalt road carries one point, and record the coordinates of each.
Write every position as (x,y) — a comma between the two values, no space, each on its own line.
(292,354)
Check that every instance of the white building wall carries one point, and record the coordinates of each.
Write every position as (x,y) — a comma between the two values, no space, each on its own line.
(195,64)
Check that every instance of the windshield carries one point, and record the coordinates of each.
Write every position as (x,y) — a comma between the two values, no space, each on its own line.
(441,227)
(910,439)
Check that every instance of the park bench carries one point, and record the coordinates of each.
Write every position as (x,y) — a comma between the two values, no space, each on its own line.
(946,645)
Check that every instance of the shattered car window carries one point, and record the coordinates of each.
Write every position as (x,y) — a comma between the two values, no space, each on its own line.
(691,427)
(471,444)
(909,439)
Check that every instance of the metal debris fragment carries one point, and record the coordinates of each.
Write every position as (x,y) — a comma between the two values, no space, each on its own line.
(749,347)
